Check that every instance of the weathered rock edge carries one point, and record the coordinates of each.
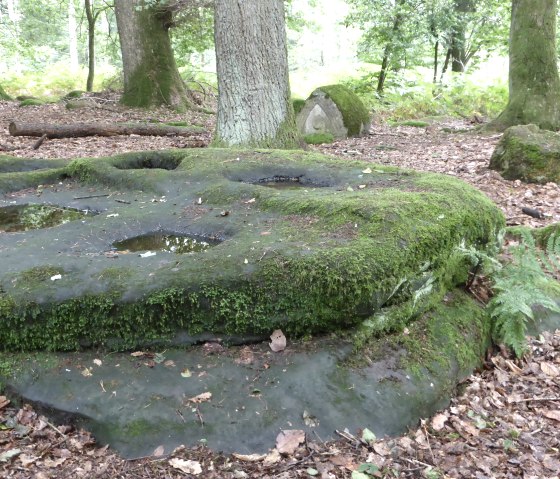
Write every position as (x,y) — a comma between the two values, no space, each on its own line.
(317,258)
(528,153)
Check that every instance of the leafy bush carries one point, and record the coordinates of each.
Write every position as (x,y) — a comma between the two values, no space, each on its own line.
(413,99)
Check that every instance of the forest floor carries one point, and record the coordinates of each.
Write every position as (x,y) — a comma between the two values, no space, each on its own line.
(504,425)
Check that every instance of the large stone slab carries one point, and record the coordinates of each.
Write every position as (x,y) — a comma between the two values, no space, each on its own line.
(528,153)
(306,243)
(139,403)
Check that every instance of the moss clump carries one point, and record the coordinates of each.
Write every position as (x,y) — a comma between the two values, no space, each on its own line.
(37,274)
(4,95)
(414,123)
(318,138)
(31,102)
(454,331)
(72,95)
(298,104)
(354,113)
(527,153)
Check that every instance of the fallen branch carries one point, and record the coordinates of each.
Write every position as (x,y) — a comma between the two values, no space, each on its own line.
(39,142)
(79,130)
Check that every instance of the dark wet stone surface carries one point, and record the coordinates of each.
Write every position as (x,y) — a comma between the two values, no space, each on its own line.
(137,404)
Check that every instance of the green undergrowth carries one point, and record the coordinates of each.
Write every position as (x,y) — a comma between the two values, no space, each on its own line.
(408,100)
(523,280)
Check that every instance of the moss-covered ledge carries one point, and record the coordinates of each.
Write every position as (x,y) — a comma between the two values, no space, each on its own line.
(528,153)
(307,243)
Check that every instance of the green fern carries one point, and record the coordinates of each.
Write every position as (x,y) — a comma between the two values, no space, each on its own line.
(519,285)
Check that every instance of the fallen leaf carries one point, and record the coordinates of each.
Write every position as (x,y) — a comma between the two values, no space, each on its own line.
(186,373)
(138,354)
(6,456)
(4,401)
(188,467)
(438,421)
(97,362)
(158,451)
(381,449)
(552,415)
(204,397)
(52,463)
(368,436)
(86,373)
(169,363)
(27,460)
(550,369)
(366,171)
(278,341)
(272,458)
(288,441)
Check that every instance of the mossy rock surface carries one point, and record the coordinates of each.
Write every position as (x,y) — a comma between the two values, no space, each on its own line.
(307,243)
(333,109)
(72,95)
(528,153)
(31,102)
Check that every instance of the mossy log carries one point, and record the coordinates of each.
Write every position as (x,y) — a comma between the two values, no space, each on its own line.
(79,130)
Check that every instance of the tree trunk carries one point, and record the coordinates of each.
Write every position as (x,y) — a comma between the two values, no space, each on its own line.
(534,84)
(383,71)
(91,44)
(72,36)
(254,105)
(150,72)
(79,130)
(458,56)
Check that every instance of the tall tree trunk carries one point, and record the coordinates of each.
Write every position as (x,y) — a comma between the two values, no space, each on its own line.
(254,105)
(384,69)
(459,56)
(389,47)
(436,60)
(534,84)
(72,36)
(150,72)
(91,18)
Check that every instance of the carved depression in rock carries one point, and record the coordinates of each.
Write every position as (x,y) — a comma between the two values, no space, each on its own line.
(349,243)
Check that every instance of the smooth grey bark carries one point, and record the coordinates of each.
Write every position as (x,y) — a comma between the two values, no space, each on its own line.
(72,36)
(254,104)
(150,72)
(534,84)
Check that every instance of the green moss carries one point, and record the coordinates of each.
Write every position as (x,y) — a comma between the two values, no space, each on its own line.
(527,153)
(298,104)
(332,255)
(355,115)
(73,94)
(414,123)
(454,331)
(37,274)
(4,95)
(156,81)
(318,138)
(31,102)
